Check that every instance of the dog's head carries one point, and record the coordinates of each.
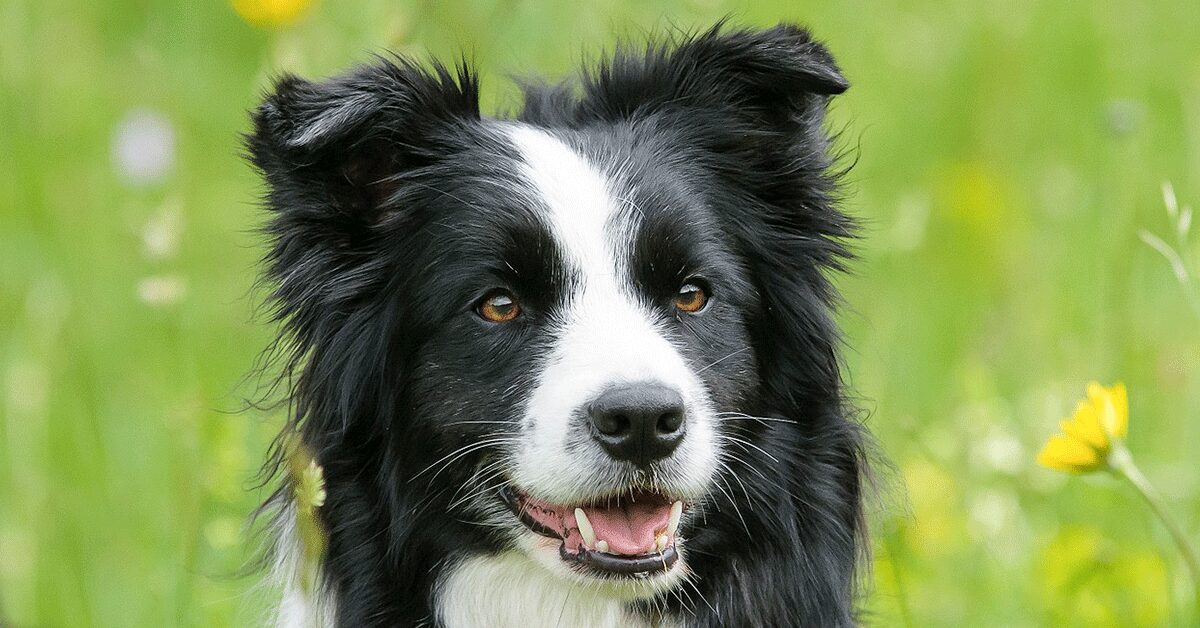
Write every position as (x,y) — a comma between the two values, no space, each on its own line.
(567,329)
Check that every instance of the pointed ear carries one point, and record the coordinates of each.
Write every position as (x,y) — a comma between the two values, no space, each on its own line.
(335,155)
(767,76)
(337,147)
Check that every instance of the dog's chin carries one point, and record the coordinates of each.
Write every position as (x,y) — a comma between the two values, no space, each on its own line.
(629,545)
(546,554)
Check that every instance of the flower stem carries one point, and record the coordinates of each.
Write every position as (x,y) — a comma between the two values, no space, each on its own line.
(1122,463)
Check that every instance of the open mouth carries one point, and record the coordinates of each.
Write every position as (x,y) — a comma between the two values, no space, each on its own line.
(630,535)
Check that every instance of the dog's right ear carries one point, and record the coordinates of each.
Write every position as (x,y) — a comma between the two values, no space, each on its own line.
(336,149)
(336,156)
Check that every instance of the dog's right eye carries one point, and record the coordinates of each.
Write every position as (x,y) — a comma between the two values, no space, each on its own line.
(499,307)
(692,297)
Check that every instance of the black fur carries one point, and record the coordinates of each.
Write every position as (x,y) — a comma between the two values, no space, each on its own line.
(391,215)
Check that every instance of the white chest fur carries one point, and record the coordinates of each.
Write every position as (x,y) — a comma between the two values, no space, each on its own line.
(511,591)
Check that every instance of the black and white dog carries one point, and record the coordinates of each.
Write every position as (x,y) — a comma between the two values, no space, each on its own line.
(577,367)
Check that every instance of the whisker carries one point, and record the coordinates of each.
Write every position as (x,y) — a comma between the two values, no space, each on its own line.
(742,441)
(691,582)
(495,483)
(734,416)
(745,491)
(489,469)
(462,451)
(690,605)
(749,466)
(729,495)
(730,355)
(485,485)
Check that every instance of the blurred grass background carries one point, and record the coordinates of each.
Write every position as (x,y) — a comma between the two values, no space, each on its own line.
(1008,153)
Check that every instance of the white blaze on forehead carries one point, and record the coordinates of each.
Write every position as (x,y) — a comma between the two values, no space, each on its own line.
(577,195)
(604,334)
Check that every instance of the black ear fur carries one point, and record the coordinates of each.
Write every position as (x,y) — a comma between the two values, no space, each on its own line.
(335,155)
(342,143)
(769,76)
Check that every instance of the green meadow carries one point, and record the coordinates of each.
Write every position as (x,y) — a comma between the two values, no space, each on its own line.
(1007,158)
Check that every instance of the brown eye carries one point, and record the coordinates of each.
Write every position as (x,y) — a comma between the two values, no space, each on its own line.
(691,298)
(500,307)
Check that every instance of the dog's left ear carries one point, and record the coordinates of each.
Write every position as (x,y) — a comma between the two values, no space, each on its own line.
(769,78)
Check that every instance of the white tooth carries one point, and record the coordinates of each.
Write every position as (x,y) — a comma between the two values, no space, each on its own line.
(602,546)
(585,528)
(661,543)
(673,522)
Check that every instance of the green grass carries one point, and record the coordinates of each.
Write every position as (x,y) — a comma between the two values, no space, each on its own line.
(1008,154)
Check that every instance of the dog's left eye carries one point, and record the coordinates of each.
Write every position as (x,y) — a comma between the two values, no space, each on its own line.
(692,297)
(499,307)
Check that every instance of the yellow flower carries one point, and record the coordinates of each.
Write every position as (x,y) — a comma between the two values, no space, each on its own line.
(308,494)
(1087,437)
(270,13)
(310,487)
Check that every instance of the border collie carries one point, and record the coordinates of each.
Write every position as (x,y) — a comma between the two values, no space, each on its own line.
(576,366)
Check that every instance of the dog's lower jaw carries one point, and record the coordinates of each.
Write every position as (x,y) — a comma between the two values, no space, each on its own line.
(512,590)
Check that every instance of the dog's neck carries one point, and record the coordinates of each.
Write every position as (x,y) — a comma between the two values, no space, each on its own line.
(501,590)
(511,590)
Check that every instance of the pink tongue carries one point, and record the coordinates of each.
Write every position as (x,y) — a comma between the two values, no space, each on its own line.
(630,529)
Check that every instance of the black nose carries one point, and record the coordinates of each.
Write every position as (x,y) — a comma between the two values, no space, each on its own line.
(639,423)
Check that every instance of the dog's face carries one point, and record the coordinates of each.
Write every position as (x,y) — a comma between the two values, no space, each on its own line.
(586,324)
(562,329)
